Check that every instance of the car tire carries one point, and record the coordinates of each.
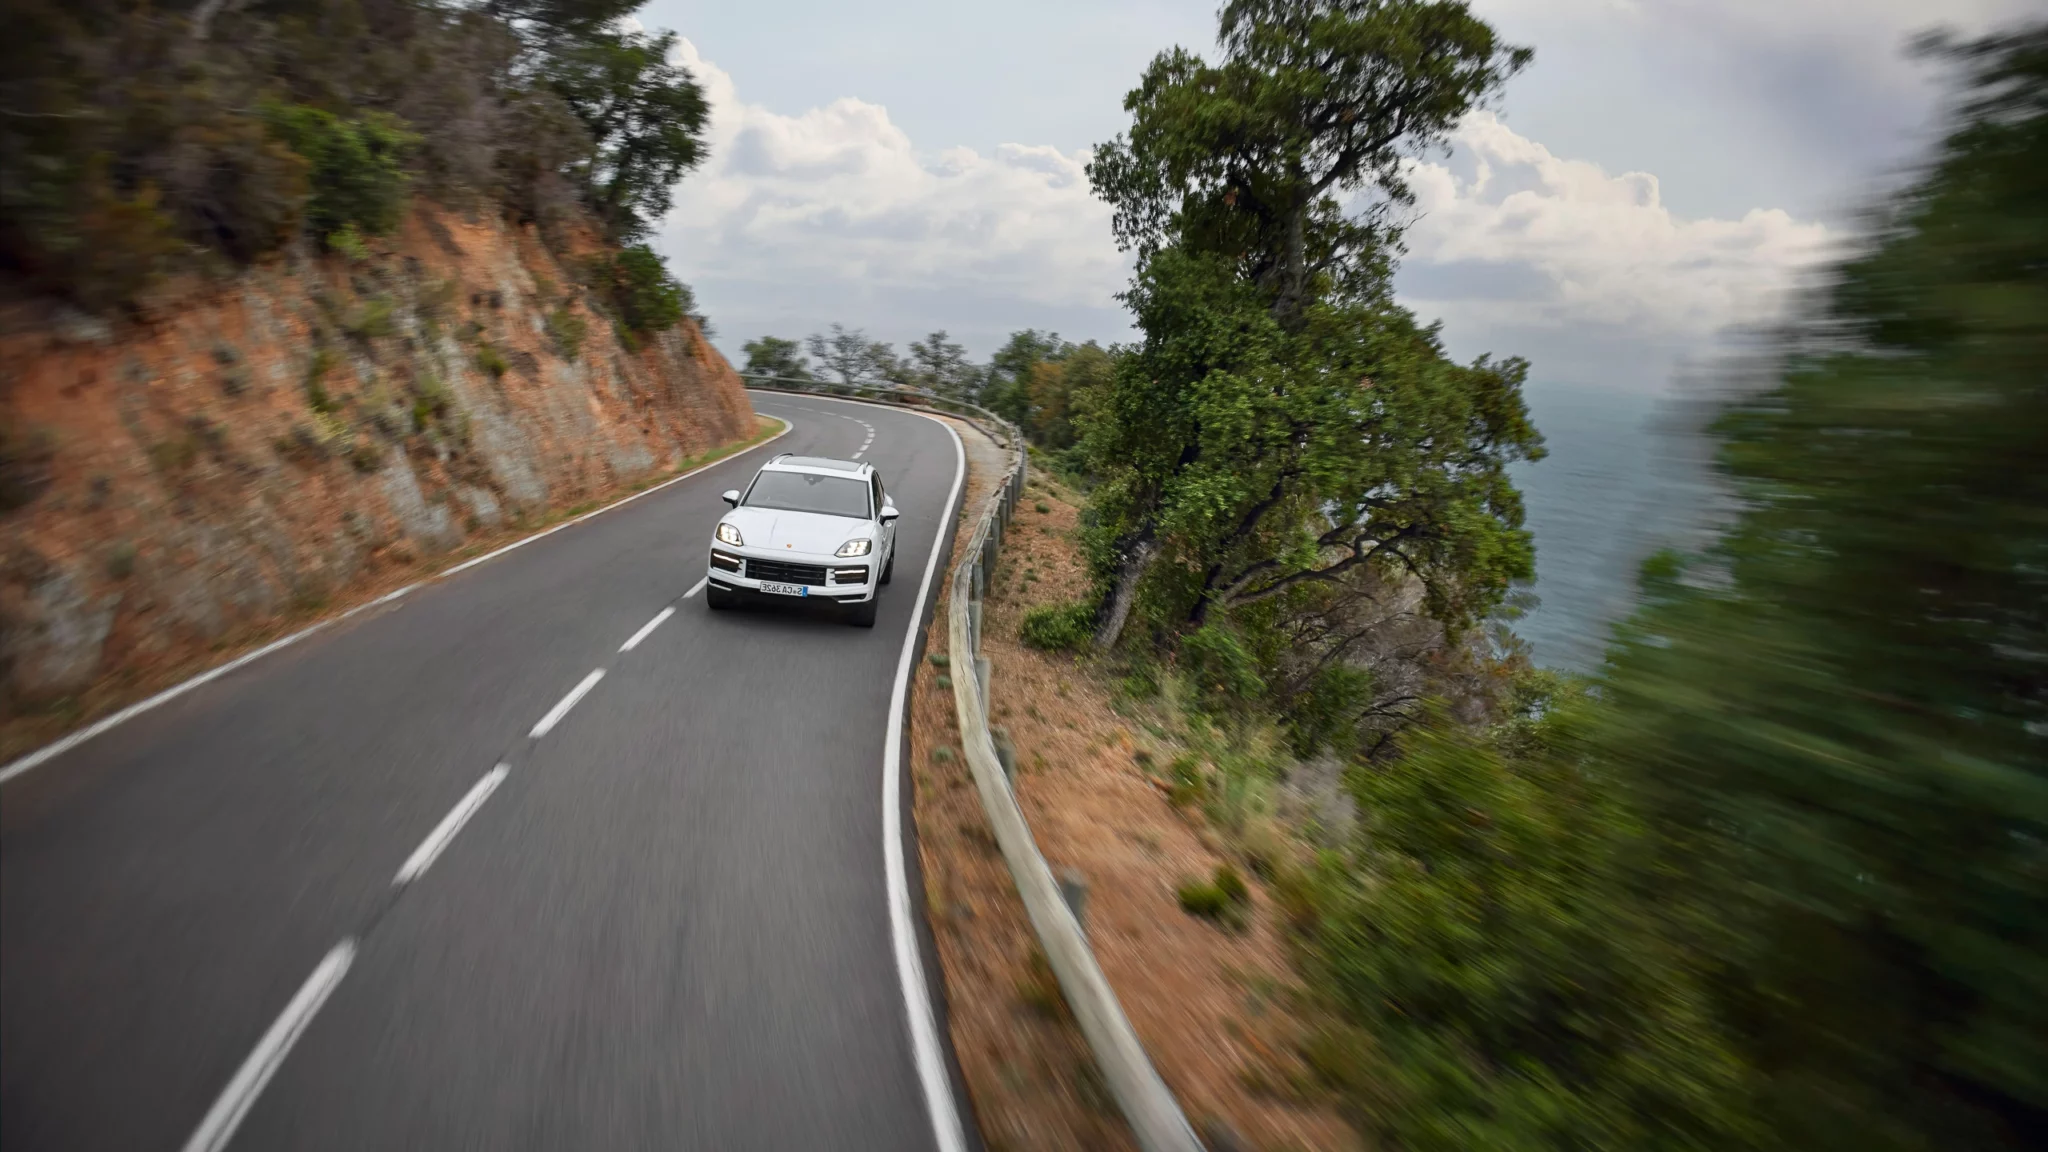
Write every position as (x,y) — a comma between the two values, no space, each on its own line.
(889,569)
(716,598)
(862,614)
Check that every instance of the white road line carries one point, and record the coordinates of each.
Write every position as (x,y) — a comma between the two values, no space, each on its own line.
(924,1029)
(226,1115)
(925,1046)
(429,850)
(560,710)
(650,626)
(697,587)
(57,748)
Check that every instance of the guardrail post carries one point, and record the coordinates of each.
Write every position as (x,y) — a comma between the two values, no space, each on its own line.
(974,624)
(1006,752)
(983,670)
(1074,890)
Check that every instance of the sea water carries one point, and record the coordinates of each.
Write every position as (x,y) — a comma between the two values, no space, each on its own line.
(1627,473)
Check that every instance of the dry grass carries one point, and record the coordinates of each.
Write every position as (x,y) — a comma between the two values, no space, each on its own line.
(1214,1006)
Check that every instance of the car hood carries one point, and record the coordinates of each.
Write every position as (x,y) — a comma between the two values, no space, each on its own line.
(795,531)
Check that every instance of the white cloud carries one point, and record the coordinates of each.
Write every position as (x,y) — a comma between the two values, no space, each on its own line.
(834,213)
(1519,237)
(838,195)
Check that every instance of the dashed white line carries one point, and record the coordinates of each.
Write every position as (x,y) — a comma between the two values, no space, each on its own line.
(560,710)
(430,849)
(697,587)
(226,1115)
(53,750)
(650,626)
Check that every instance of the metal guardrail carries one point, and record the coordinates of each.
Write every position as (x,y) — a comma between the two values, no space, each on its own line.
(1148,1105)
(990,424)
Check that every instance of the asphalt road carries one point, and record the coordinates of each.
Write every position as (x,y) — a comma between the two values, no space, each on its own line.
(666,927)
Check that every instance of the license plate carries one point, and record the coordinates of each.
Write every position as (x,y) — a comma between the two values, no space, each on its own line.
(785,589)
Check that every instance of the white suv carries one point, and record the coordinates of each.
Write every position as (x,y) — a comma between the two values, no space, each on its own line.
(810,528)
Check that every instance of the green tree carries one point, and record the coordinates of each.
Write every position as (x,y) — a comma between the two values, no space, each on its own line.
(1005,387)
(942,366)
(645,117)
(355,168)
(642,294)
(1283,422)
(848,354)
(772,356)
(1059,392)
(1838,717)
(551,20)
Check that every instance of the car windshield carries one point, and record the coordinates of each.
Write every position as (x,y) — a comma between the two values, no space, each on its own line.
(806,492)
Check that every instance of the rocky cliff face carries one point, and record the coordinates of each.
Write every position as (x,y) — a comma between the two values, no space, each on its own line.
(306,428)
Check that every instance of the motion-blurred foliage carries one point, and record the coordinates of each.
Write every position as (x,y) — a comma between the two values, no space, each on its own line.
(1838,719)
(139,139)
(1780,877)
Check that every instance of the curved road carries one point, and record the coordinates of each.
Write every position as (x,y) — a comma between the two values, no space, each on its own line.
(664,924)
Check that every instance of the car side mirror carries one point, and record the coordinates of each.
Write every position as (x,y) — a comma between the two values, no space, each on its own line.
(732,497)
(889,515)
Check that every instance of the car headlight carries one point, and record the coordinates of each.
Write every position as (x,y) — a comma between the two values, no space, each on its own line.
(855,548)
(730,535)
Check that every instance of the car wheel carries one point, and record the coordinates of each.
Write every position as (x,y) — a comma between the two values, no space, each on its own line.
(862,615)
(716,598)
(889,569)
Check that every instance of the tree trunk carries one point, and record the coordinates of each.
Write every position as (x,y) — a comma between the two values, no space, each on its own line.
(1123,592)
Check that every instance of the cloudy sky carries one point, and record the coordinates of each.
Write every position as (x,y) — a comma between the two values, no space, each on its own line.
(1663,170)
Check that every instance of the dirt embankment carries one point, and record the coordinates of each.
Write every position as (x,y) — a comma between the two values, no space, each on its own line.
(306,430)
(1216,1006)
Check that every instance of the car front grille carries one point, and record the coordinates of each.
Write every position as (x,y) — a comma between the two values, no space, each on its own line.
(783,573)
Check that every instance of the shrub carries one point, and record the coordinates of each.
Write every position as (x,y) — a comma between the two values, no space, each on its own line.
(121,561)
(367,455)
(567,329)
(1519,989)
(639,290)
(1232,885)
(1326,712)
(316,386)
(1201,898)
(1225,673)
(1040,988)
(1186,784)
(430,401)
(373,320)
(355,169)
(1058,627)
(491,360)
(1042,507)
(175,454)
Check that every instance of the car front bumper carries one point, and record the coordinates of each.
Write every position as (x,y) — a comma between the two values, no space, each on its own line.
(821,577)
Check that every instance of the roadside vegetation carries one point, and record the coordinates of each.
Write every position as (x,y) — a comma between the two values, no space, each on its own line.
(142,143)
(1774,877)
